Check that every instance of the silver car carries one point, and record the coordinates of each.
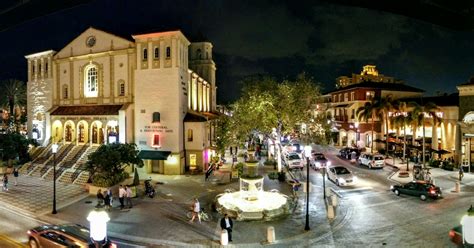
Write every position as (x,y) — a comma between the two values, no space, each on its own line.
(372,160)
(341,176)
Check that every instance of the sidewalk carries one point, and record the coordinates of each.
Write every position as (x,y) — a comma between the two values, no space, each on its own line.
(162,220)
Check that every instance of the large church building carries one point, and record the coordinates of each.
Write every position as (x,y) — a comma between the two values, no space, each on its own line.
(157,90)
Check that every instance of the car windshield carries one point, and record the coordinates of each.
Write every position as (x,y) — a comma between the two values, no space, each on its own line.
(378,158)
(342,170)
(76,231)
(320,157)
(294,156)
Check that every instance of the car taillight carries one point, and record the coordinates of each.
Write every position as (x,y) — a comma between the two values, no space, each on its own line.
(28,232)
(432,191)
(452,234)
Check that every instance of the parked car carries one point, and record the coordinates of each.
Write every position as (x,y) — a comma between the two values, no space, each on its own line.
(346,152)
(341,176)
(319,161)
(371,160)
(421,189)
(68,235)
(294,161)
(455,234)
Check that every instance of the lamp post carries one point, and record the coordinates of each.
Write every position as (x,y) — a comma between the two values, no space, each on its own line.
(467,223)
(307,153)
(54,149)
(356,125)
(98,226)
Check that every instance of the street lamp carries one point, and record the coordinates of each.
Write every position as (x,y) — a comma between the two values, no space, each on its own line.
(54,149)
(98,226)
(467,223)
(307,153)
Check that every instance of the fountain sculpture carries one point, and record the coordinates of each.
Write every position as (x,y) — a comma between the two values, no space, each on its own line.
(251,202)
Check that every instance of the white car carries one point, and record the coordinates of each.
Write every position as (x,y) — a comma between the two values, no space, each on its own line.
(294,161)
(341,176)
(372,160)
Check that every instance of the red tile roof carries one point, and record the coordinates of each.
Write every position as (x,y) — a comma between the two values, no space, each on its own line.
(87,110)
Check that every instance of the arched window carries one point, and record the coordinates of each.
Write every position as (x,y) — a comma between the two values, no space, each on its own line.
(65,92)
(91,84)
(121,88)
(198,54)
(156,117)
(156,53)
(145,54)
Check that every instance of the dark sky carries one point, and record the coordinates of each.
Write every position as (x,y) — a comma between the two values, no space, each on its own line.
(280,38)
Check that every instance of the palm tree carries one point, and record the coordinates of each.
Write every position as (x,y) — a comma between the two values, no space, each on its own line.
(401,120)
(383,106)
(365,113)
(13,97)
(431,109)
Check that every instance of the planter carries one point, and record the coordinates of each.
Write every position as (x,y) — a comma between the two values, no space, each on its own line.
(93,189)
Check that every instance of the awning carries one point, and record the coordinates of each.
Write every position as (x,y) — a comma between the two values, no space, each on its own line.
(154,155)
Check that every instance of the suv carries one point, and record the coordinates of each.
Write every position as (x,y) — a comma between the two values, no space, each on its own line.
(372,160)
(294,161)
(318,161)
(347,151)
(421,189)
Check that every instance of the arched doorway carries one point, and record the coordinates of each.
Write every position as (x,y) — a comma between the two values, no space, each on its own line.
(97,135)
(82,134)
(57,131)
(69,134)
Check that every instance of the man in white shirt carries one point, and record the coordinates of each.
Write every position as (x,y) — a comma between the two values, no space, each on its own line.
(122,194)
(128,196)
(196,208)
(227,224)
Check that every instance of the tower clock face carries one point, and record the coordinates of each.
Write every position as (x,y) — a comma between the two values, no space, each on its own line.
(90,41)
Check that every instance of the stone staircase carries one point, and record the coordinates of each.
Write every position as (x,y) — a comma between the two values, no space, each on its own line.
(66,163)
(60,155)
(82,178)
(80,175)
(36,151)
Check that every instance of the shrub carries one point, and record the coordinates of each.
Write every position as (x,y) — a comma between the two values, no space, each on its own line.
(270,162)
(240,168)
(107,181)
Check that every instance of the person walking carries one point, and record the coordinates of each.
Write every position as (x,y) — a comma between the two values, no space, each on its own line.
(196,208)
(107,201)
(15,176)
(128,196)
(122,194)
(100,198)
(461,173)
(5,182)
(209,171)
(227,224)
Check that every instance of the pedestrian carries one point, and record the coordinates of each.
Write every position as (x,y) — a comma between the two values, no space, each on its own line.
(209,171)
(100,198)
(461,173)
(5,182)
(122,194)
(107,201)
(128,196)
(15,175)
(196,208)
(109,193)
(295,185)
(227,224)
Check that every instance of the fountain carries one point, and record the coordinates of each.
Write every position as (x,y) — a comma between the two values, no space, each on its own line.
(251,202)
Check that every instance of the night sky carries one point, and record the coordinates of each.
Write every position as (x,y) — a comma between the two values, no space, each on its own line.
(279,38)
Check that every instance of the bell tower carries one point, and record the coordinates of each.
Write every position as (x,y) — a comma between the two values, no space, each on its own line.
(200,61)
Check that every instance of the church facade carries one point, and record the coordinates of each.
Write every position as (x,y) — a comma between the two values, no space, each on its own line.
(156,90)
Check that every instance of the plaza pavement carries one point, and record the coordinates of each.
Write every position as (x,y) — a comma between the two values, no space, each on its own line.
(162,221)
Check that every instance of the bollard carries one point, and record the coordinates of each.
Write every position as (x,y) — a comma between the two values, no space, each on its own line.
(330,212)
(224,237)
(270,234)
(328,192)
(457,189)
(334,200)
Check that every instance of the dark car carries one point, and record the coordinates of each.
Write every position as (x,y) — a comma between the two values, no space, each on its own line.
(421,189)
(319,161)
(346,152)
(68,235)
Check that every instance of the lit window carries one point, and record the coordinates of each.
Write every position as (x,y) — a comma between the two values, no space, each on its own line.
(190,135)
(156,54)
(91,88)
(369,95)
(346,97)
(352,96)
(168,52)
(145,54)
(156,117)
(156,140)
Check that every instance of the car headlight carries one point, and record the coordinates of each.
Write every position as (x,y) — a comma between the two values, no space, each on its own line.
(328,163)
(391,187)
(342,180)
(318,164)
(354,178)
